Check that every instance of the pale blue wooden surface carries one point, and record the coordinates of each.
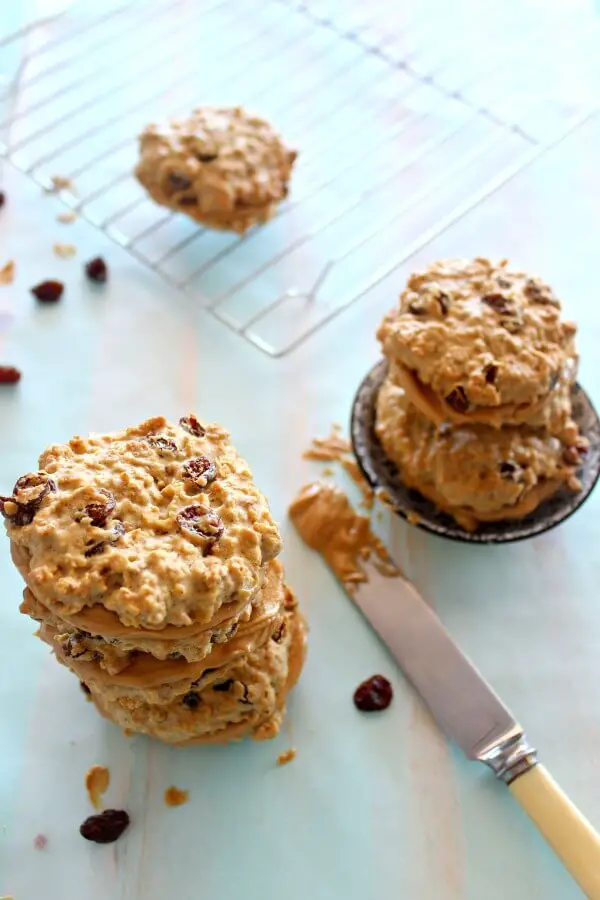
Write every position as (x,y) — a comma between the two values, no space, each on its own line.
(371,808)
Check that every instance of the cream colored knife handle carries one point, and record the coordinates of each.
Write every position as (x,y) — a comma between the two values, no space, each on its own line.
(569,834)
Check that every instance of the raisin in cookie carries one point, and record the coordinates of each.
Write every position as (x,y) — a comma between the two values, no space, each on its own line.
(474,472)
(160,524)
(479,342)
(222,166)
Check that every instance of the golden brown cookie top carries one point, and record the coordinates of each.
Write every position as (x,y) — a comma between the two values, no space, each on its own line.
(160,523)
(218,159)
(473,466)
(479,334)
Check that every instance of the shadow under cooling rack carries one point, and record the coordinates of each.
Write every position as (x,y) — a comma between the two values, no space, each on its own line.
(404,121)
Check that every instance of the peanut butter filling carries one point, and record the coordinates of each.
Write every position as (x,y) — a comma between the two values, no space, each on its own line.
(100,621)
(437,410)
(145,670)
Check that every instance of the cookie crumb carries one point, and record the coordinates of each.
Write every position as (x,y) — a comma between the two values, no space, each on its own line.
(97,780)
(66,217)
(328,449)
(7,273)
(60,183)
(64,251)
(286,757)
(176,797)
(413,518)
(40,842)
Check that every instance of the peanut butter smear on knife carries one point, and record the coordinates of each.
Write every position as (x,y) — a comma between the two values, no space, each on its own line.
(326,521)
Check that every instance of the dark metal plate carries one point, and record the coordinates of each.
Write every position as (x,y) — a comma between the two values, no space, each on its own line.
(381,473)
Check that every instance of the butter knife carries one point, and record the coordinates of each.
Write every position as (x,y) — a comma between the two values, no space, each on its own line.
(471,715)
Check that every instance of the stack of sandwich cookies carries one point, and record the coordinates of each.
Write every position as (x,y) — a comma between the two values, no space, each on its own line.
(225,168)
(476,407)
(150,562)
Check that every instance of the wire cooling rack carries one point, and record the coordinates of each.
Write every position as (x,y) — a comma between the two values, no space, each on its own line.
(405,119)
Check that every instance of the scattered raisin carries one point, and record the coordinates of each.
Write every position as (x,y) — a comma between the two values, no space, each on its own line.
(191,700)
(192,425)
(223,685)
(490,373)
(202,521)
(206,157)
(458,400)
(48,291)
(200,470)
(179,182)
(117,532)
(97,270)
(162,443)
(497,302)
(105,827)
(9,375)
(99,512)
(509,470)
(374,694)
(416,308)
(2,199)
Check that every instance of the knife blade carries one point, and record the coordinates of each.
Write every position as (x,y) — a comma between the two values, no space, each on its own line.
(472,715)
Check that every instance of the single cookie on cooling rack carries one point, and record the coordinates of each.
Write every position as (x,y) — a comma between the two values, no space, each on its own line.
(475,341)
(222,166)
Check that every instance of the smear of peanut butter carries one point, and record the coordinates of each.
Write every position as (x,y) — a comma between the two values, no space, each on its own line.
(326,521)
(97,780)
(176,797)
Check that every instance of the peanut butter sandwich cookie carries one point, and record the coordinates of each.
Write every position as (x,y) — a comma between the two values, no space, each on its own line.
(222,166)
(476,473)
(150,562)
(475,341)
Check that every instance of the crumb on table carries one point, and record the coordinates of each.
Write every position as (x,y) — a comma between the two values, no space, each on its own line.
(7,272)
(97,780)
(286,757)
(176,797)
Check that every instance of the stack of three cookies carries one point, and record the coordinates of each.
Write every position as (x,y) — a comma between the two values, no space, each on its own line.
(476,407)
(150,562)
